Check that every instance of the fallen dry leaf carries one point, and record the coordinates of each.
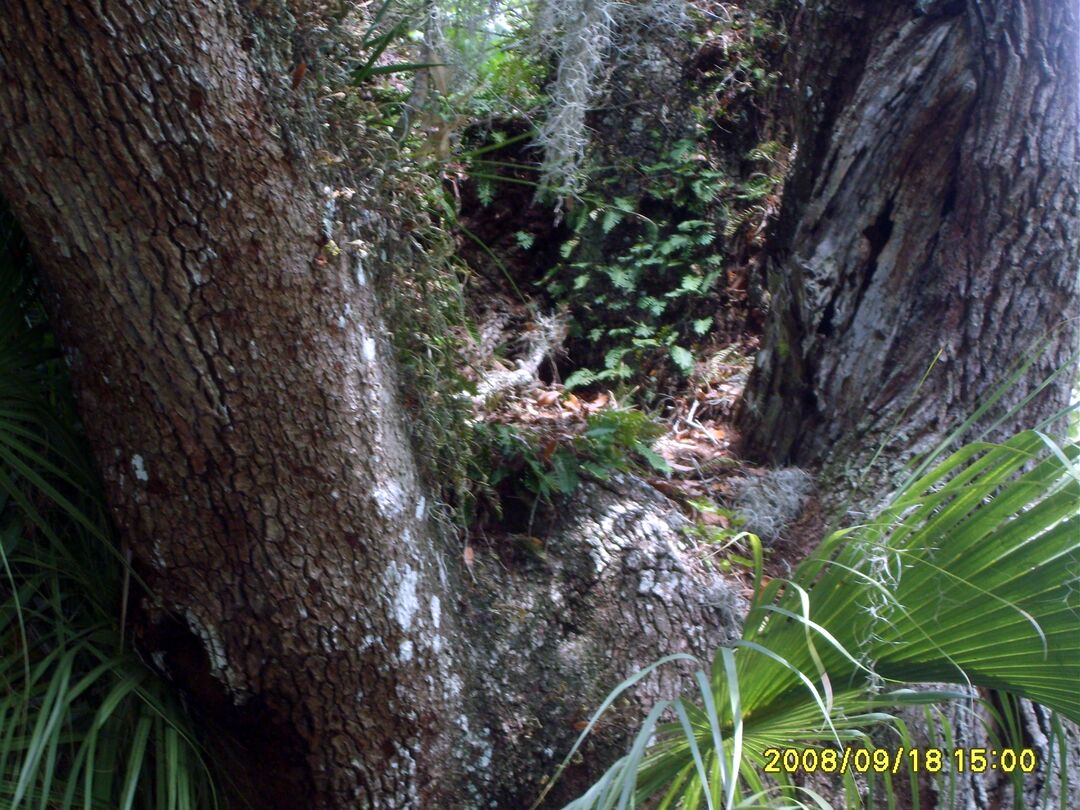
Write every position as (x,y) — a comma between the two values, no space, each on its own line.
(599,401)
(714,519)
(548,450)
(673,489)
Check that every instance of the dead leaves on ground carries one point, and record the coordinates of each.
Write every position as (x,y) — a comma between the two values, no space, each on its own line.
(699,450)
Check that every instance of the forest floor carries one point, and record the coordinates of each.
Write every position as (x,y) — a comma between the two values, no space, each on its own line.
(723,495)
(700,446)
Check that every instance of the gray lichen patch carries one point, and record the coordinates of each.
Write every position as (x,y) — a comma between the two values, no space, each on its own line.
(138,465)
(403,580)
(220,666)
(769,503)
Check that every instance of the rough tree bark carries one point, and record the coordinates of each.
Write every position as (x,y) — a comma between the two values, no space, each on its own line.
(932,206)
(236,385)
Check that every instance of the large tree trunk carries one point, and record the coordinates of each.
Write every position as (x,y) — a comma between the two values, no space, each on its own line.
(932,207)
(237,387)
(612,592)
(232,382)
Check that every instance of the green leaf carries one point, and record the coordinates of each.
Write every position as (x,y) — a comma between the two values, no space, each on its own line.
(599,432)
(702,325)
(582,376)
(673,243)
(689,225)
(598,471)
(564,472)
(654,305)
(653,459)
(615,356)
(621,277)
(683,359)
(690,283)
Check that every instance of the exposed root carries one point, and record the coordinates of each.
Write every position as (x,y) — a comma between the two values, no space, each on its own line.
(541,342)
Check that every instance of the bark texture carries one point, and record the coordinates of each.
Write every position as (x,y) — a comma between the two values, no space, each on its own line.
(970,725)
(236,383)
(232,381)
(614,589)
(932,207)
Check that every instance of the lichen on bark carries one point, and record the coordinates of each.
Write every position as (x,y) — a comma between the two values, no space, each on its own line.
(217,288)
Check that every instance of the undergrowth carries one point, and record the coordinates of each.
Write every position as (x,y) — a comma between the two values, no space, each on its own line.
(548,464)
(643,277)
(83,722)
(967,576)
(656,243)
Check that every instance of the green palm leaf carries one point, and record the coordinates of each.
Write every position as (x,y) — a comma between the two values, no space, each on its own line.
(971,575)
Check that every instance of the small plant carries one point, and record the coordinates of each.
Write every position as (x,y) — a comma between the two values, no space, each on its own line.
(545,465)
(640,275)
(616,438)
(543,470)
(424,299)
(644,271)
(724,531)
(643,278)
(720,525)
(755,199)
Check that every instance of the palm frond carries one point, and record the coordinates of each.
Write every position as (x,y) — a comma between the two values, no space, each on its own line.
(970,576)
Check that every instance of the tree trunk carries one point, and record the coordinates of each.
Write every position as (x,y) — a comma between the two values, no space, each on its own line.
(932,207)
(232,381)
(969,725)
(613,591)
(235,382)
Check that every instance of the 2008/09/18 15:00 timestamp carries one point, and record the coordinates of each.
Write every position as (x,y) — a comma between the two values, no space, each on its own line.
(891,760)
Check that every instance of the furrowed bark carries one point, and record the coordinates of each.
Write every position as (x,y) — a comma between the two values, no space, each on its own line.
(236,383)
(555,629)
(932,208)
(233,382)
